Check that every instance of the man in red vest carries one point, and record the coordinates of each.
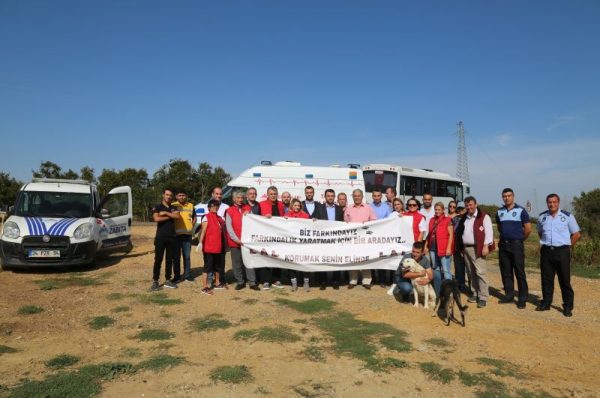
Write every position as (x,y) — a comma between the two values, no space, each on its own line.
(234,216)
(271,207)
(475,237)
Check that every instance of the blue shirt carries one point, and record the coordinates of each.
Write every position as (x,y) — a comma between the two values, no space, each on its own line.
(510,222)
(382,210)
(310,206)
(330,212)
(556,231)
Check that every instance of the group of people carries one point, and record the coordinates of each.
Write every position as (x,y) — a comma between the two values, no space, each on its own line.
(461,234)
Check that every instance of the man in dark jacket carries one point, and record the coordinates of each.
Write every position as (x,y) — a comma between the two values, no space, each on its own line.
(332,212)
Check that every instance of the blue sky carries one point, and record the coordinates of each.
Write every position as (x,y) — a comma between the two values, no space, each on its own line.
(135,83)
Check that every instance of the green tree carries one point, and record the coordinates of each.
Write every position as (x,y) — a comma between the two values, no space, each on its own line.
(9,187)
(50,169)
(137,179)
(586,208)
(87,174)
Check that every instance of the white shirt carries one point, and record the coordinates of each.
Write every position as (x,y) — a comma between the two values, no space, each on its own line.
(428,214)
(468,238)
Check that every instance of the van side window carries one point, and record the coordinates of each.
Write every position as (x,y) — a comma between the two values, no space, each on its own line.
(115,205)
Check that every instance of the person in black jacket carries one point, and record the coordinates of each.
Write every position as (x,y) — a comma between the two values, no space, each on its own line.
(331,212)
(310,206)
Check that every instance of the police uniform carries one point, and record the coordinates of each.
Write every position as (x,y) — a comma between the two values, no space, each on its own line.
(511,252)
(555,238)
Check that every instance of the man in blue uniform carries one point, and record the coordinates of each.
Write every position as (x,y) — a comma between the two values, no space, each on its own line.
(558,232)
(514,227)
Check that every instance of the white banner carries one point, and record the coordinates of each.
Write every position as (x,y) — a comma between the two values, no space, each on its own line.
(308,245)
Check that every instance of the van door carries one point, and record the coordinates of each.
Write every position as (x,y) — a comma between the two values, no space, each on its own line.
(115,210)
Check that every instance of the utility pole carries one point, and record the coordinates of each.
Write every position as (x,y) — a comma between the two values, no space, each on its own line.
(462,164)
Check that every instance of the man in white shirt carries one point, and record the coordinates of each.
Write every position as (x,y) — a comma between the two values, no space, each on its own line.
(475,238)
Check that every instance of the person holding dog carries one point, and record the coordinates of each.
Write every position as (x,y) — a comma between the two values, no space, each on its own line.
(559,232)
(514,227)
(403,277)
(475,238)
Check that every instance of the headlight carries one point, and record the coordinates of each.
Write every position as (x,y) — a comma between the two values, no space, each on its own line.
(84,231)
(11,230)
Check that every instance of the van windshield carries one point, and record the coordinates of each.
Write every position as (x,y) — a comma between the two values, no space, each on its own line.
(54,204)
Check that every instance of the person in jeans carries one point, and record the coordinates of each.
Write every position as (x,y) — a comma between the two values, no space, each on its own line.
(184,226)
(460,267)
(440,245)
(164,215)
(403,277)
(211,243)
(234,217)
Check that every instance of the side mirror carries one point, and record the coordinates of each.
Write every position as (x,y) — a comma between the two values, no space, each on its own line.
(103,213)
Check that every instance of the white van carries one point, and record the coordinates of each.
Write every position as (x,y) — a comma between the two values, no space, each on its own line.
(64,222)
(292,177)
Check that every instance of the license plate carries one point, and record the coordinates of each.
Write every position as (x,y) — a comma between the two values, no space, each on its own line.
(44,253)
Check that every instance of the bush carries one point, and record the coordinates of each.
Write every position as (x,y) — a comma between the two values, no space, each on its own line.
(587,252)
(587,212)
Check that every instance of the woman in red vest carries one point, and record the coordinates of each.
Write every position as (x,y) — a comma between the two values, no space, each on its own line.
(212,241)
(418,219)
(440,244)
(296,210)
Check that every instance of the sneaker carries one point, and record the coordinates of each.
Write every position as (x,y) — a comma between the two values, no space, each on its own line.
(175,280)
(240,286)
(170,285)
(472,299)
(390,291)
(155,287)
(278,285)
(254,287)
(220,286)
(266,286)
(207,291)
(306,285)
(481,304)
(322,287)
(189,279)
(294,285)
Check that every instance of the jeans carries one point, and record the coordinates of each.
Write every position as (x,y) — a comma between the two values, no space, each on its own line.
(441,268)
(183,247)
(403,286)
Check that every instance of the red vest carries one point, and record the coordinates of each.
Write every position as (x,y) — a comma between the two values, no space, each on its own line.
(266,207)
(417,217)
(441,234)
(479,234)
(236,214)
(213,237)
(300,214)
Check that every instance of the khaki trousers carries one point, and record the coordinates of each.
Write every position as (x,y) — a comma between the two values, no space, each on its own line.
(366,276)
(477,268)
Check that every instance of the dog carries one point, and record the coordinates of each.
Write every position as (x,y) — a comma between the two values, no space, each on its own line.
(410,265)
(450,295)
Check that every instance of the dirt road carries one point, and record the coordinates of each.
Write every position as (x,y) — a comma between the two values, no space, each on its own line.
(502,351)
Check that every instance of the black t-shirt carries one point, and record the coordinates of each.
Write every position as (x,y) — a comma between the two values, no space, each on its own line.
(164,229)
